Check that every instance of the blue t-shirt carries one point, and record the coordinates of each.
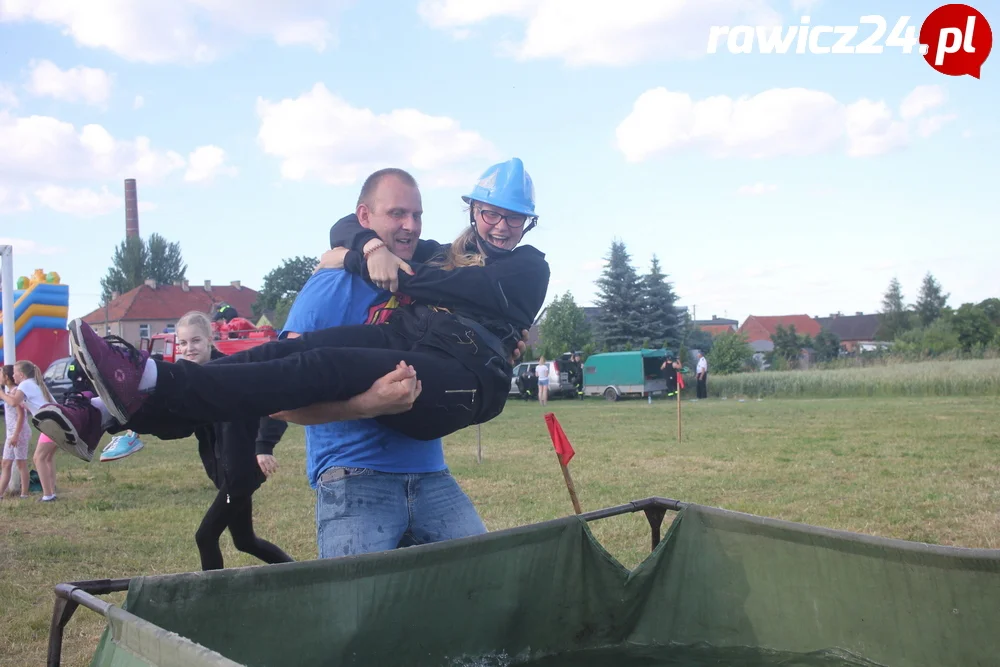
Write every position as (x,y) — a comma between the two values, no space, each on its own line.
(333,298)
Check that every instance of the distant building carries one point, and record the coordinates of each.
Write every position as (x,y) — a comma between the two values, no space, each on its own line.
(716,325)
(856,332)
(758,329)
(151,308)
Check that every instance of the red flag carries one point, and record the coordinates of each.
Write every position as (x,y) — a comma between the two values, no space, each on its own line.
(680,379)
(559,440)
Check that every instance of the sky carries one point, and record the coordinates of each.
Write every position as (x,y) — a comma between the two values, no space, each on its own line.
(766,184)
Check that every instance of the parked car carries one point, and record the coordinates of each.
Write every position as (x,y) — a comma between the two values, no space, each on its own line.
(617,374)
(56,377)
(562,378)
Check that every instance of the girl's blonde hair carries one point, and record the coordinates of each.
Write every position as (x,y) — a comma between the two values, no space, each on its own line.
(464,252)
(198,320)
(33,372)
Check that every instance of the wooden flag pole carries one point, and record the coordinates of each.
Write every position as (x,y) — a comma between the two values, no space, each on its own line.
(569,486)
(678,410)
(479,442)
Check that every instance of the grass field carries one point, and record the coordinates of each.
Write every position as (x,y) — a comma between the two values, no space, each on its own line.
(913,468)
(973,377)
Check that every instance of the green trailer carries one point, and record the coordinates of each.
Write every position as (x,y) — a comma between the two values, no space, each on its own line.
(617,374)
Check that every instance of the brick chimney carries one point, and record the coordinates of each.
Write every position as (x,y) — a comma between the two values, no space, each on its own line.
(236,284)
(208,285)
(131,209)
(150,283)
(185,285)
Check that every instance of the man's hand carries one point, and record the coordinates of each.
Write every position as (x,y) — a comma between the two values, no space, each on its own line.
(521,346)
(391,394)
(384,267)
(332,259)
(268,464)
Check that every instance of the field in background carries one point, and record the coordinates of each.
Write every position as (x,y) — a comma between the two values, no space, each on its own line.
(980,377)
(913,468)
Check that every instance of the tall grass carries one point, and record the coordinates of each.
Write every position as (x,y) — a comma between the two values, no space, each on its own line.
(931,378)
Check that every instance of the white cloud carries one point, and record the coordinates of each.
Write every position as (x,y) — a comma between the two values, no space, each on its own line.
(139,102)
(804,5)
(147,206)
(8,100)
(928,126)
(599,32)
(43,150)
(82,202)
(29,247)
(756,189)
(78,84)
(920,100)
(207,162)
(967,134)
(776,122)
(13,201)
(320,136)
(181,30)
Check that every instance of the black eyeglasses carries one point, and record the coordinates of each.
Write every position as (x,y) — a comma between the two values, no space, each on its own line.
(493,218)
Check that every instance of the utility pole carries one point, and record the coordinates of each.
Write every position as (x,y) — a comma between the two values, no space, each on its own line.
(7,278)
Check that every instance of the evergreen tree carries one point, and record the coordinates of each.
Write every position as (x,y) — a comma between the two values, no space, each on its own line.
(136,261)
(893,318)
(661,326)
(164,263)
(931,301)
(619,324)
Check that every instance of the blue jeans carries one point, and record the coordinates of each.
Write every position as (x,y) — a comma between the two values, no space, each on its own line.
(359,510)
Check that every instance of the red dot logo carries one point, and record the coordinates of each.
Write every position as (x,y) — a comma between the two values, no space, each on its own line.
(956,40)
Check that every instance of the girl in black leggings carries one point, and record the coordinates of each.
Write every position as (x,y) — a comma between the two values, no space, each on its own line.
(470,303)
(235,455)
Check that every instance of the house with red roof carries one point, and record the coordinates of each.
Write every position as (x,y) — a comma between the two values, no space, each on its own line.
(716,325)
(153,308)
(758,329)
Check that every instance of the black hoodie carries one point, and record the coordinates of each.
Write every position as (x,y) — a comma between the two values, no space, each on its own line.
(228,450)
(504,296)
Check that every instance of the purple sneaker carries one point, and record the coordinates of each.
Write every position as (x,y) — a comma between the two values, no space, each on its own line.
(75,426)
(114,367)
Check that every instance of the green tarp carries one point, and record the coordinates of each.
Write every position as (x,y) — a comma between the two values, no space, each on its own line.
(718,577)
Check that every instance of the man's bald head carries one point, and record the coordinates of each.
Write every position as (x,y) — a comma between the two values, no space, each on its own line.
(390,205)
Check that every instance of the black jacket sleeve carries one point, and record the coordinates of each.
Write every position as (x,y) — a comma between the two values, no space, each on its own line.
(512,288)
(269,434)
(349,233)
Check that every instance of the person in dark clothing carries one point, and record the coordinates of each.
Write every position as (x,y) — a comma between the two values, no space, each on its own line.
(671,367)
(225,453)
(237,475)
(462,321)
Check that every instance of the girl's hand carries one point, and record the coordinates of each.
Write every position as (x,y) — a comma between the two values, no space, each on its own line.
(268,464)
(332,259)
(384,267)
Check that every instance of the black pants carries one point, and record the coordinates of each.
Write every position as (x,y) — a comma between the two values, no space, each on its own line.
(328,365)
(703,386)
(237,515)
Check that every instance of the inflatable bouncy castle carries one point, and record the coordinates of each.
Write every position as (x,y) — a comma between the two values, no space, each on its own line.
(41,304)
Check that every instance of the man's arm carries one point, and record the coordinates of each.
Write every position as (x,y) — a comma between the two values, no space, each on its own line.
(392,393)
(348,232)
